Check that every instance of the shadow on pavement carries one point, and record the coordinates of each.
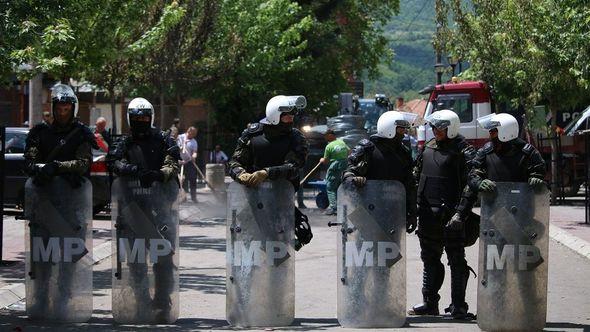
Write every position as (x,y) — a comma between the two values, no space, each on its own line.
(199,242)
(206,283)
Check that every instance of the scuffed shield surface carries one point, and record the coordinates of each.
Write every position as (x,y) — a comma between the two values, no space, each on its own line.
(513,258)
(371,255)
(146,253)
(58,249)
(260,257)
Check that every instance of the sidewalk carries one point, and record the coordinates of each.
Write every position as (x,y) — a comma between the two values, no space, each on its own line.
(12,288)
(567,227)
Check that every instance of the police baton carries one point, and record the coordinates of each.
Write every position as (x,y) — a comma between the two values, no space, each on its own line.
(310,173)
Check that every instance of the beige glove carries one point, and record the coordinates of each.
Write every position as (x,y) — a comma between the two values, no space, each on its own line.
(244,178)
(257,178)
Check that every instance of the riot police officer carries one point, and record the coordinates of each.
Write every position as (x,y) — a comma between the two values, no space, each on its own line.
(62,147)
(506,158)
(384,157)
(274,149)
(443,204)
(59,210)
(147,156)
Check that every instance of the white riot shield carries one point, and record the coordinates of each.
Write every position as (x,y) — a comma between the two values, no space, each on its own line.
(371,255)
(513,258)
(146,252)
(260,285)
(58,249)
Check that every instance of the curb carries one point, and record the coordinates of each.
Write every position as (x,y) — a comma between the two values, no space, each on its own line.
(13,293)
(581,247)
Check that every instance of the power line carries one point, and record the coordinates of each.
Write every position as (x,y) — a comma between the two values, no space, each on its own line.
(416,16)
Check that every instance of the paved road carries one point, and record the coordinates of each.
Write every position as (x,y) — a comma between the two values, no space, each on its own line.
(203,283)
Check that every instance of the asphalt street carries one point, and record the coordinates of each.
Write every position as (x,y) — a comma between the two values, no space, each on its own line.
(202,283)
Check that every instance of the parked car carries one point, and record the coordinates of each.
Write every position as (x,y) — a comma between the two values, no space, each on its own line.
(15,176)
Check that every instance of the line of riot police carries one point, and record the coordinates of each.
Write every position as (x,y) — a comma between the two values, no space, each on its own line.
(384,194)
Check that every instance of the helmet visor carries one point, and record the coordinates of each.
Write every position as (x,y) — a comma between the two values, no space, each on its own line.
(488,122)
(407,120)
(437,122)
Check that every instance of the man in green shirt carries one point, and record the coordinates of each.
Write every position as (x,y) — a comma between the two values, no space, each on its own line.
(335,155)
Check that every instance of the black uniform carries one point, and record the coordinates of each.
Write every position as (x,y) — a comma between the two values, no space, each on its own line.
(280,148)
(380,158)
(151,157)
(68,146)
(441,172)
(512,161)
(282,151)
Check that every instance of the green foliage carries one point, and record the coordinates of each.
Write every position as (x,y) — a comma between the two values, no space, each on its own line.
(530,51)
(410,36)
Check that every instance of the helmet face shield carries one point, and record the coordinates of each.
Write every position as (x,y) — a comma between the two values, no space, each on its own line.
(279,105)
(389,122)
(437,122)
(506,125)
(488,122)
(61,93)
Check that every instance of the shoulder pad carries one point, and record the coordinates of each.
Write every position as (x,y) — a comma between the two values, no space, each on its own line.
(528,149)
(487,148)
(366,144)
(254,128)
(38,128)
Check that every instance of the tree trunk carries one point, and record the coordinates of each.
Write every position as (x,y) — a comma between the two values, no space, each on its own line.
(113,109)
(35,100)
(554,156)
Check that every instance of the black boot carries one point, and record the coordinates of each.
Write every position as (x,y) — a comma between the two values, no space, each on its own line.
(428,307)
(434,273)
(459,276)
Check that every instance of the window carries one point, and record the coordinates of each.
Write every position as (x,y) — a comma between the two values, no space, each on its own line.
(458,103)
(15,142)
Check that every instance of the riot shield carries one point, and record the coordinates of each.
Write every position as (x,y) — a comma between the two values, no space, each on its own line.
(260,285)
(145,243)
(58,250)
(371,255)
(513,258)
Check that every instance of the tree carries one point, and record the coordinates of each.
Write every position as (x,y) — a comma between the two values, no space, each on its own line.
(530,51)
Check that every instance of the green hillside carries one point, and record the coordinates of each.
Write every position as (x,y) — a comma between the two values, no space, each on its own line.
(410,34)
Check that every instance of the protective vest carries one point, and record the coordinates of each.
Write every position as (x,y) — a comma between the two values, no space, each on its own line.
(507,167)
(389,161)
(440,179)
(148,152)
(270,150)
(49,137)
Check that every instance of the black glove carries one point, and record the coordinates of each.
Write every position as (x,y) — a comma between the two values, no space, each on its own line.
(146,178)
(411,223)
(45,174)
(286,171)
(456,223)
(128,169)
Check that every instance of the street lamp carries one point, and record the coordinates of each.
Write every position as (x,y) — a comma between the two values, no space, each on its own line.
(453,60)
(439,68)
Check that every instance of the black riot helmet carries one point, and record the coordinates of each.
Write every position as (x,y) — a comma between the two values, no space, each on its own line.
(140,116)
(61,93)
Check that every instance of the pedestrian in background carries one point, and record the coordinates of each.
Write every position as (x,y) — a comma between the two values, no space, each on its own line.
(335,156)
(188,154)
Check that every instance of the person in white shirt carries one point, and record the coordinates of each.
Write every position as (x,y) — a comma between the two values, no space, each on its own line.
(217,156)
(188,154)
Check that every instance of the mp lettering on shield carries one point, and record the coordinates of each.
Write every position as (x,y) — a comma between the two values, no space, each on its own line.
(253,253)
(372,253)
(135,251)
(510,256)
(73,249)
